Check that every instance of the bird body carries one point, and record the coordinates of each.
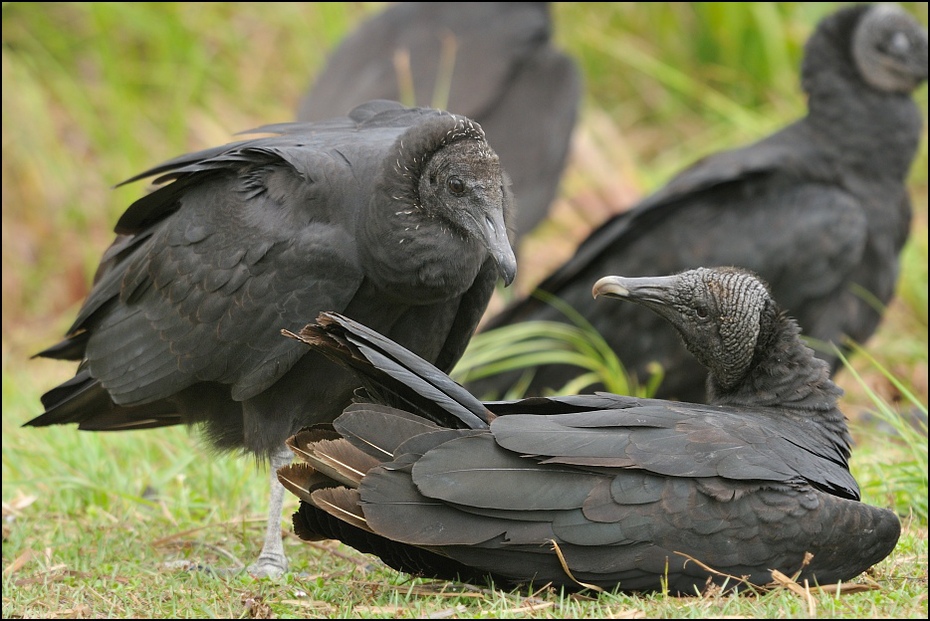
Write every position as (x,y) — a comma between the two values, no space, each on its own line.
(493,62)
(393,215)
(819,210)
(599,490)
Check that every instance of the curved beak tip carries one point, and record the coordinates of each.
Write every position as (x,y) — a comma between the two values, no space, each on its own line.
(498,244)
(507,267)
(611,286)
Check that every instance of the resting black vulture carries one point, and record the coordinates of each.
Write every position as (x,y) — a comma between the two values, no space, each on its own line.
(493,62)
(599,489)
(819,210)
(394,216)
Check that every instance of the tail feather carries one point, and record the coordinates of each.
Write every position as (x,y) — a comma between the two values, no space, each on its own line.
(300,441)
(313,524)
(343,504)
(72,348)
(84,401)
(334,458)
(301,480)
(392,371)
(379,430)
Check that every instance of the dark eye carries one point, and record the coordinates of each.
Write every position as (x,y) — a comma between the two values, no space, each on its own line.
(701,311)
(898,45)
(456,185)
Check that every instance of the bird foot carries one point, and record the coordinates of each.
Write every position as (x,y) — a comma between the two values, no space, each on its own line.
(268,566)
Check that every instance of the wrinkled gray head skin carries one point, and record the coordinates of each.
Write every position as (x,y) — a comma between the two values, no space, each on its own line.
(723,315)
(464,183)
(890,49)
(442,199)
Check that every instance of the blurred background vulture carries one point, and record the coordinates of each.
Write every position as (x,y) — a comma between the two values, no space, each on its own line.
(394,216)
(820,210)
(599,491)
(494,62)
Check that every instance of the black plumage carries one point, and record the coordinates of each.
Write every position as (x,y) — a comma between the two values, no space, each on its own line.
(493,62)
(394,216)
(820,210)
(599,490)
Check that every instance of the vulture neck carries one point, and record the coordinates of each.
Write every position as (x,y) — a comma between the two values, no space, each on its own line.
(786,377)
(784,373)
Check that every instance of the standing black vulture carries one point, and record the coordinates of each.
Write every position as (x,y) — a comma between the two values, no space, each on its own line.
(602,489)
(493,62)
(820,210)
(393,216)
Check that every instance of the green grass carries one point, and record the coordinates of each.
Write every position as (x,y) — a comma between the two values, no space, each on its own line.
(111,516)
(522,346)
(95,92)
(905,436)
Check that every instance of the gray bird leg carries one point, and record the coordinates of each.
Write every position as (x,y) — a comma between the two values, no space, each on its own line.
(272,562)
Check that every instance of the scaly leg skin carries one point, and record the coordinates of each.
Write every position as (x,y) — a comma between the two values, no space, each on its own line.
(272,562)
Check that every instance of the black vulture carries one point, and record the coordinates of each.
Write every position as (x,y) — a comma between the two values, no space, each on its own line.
(394,216)
(819,209)
(493,62)
(599,490)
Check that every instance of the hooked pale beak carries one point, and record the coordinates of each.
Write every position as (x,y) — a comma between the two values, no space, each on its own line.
(654,289)
(495,235)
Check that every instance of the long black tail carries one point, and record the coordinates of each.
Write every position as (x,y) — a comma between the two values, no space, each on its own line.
(393,375)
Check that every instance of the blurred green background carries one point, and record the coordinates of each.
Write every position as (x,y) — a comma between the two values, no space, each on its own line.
(96,92)
(93,93)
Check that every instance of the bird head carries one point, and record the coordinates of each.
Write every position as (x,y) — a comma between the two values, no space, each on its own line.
(723,315)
